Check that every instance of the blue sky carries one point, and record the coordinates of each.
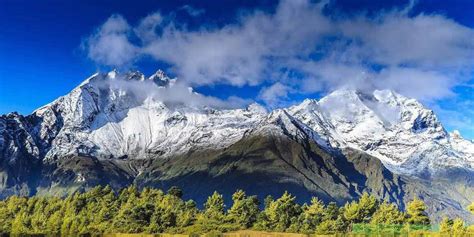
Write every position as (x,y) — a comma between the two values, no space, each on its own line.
(274,52)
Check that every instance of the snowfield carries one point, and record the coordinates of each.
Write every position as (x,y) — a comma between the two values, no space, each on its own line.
(129,116)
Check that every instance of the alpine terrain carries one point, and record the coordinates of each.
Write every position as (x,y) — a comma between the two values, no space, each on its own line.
(122,129)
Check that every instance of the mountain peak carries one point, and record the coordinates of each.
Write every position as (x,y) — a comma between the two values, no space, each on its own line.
(111,118)
(160,78)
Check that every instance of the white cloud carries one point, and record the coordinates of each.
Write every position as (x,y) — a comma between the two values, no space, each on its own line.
(147,27)
(274,94)
(174,95)
(423,56)
(110,44)
(422,41)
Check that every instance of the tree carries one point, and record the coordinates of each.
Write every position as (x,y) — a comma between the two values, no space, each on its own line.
(244,210)
(416,211)
(280,212)
(458,227)
(387,213)
(352,212)
(331,212)
(471,208)
(213,216)
(445,226)
(367,206)
(361,211)
(175,191)
(214,207)
(312,215)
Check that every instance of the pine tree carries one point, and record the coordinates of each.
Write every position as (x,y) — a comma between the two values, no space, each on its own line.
(312,215)
(416,211)
(5,217)
(244,210)
(214,207)
(458,227)
(175,191)
(281,211)
(445,227)
(352,212)
(331,212)
(471,208)
(387,213)
(213,217)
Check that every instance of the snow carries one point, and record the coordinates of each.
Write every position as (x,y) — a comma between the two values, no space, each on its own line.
(106,119)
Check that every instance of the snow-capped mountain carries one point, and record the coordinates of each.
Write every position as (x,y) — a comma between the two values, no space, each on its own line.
(128,115)
(122,128)
(117,116)
(407,137)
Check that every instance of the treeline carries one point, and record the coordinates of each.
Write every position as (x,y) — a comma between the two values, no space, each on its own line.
(101,210)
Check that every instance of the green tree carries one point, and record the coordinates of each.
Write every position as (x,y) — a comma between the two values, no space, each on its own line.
(367,206)
(312,215)
(445,226)
(416,211)
(471,208)
(458,227)
(214,207)
(21,224)
(280,213)
(175,191)
(331,212)
(361,211)
(352,212)
(387,213)
(244,210)
(213,217)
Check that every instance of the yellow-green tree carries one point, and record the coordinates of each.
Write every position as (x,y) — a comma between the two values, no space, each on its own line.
(416,211)
(387,213)
(445,226)
(213,216)
(471,208)
(280,213)
(244,210)
(312,215)
(458,227)
(361,211)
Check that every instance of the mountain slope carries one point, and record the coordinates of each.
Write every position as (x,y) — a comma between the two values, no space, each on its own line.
(126,128)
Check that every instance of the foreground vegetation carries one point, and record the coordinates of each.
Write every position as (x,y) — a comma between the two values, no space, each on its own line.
(101,210)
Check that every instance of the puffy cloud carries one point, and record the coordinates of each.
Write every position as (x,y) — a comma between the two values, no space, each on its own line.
(274,94)
(176,94)
(297,47)
(422,41)
(146,30)
(110,44)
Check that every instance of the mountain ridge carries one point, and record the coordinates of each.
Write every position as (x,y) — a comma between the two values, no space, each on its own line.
(112,121)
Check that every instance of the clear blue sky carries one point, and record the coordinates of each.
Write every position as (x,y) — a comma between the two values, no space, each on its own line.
(41,57)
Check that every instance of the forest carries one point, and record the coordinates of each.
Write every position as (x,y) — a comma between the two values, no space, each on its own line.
(102,210)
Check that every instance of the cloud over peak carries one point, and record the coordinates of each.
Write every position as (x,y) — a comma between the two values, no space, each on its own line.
(300,47)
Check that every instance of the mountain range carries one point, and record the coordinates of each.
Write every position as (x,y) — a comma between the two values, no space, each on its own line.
(124,128)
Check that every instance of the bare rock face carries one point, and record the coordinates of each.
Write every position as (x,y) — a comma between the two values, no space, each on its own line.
(126,128)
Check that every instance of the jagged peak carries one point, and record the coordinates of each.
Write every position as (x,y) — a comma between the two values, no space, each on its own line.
(307,103)
(160,78)
(134,75)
